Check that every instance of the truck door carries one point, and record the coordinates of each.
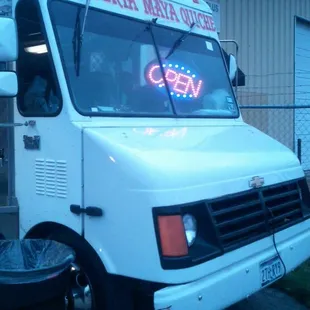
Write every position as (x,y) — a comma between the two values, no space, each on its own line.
(8,209)
(3,152)
(47,160)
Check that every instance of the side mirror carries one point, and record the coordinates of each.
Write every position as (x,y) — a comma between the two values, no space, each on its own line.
(8,40)
(8,84)
(232,67)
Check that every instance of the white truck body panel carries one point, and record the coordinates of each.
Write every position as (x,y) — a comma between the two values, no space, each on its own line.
(240,278)
(138,169)
(127,166)
(70,144)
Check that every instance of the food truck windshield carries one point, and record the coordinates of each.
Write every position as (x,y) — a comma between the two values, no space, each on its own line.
(146,70)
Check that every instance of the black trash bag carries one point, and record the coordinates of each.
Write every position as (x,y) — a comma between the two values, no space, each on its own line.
(33,273)
(30,260)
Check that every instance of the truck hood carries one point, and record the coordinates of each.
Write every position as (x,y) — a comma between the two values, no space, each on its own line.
(216,160)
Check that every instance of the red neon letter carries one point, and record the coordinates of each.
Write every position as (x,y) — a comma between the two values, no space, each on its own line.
(151,75)
(182,81)
(171,75)
(191,85)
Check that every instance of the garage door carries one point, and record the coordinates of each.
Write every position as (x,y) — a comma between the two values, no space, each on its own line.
(302,89)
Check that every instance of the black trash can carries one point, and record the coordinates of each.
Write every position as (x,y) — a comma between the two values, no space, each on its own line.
(34,274)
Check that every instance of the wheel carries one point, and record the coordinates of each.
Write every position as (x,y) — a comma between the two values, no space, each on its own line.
(81,294)
(91,287)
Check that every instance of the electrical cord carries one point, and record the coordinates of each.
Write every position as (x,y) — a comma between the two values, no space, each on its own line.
(274,243)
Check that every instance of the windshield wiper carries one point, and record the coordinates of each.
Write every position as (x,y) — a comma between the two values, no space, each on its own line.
(84,19)
(78,37)
(161,66)
(180,40)
(76,43)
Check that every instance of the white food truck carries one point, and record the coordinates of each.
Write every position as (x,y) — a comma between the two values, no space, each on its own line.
(125,142)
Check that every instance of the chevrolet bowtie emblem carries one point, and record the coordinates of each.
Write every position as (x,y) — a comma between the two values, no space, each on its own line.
(256,182)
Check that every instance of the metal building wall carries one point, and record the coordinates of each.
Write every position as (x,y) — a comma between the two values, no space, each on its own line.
(264,30)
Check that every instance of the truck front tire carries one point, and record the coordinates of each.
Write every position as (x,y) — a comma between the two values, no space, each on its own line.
(108,293)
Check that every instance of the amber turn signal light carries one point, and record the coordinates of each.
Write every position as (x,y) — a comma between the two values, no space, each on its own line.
(172,236)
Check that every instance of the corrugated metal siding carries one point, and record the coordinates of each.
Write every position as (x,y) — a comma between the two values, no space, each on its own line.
(264,30)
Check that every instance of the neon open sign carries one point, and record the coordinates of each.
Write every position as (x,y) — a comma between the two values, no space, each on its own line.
(182,82)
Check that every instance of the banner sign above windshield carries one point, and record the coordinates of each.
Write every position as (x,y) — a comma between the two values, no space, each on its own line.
(169,13)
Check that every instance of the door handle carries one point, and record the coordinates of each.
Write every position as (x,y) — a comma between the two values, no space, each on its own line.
(94,211)
(1,158)
(90,211)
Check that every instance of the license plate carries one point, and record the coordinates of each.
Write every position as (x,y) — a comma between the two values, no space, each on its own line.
(271,270)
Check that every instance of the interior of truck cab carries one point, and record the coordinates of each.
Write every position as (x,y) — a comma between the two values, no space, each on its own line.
(38,94)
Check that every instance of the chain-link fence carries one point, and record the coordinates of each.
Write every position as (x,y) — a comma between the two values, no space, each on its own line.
(276,99)
(289,124)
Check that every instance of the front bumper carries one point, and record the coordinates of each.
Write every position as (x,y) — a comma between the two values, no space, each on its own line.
(236,282)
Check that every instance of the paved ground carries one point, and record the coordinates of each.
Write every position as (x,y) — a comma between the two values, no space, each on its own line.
(269,299)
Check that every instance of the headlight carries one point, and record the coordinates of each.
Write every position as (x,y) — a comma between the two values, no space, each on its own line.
(190,226)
